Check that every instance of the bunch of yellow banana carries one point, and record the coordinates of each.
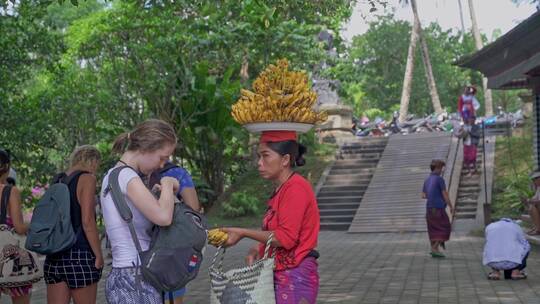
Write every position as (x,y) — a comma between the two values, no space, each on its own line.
(279,95)
(217,237)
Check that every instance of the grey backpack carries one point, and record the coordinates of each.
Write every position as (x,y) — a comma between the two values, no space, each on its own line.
(51,230)
(175,253)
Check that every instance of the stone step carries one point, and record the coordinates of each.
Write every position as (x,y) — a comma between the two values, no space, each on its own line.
(338,171)
(469,183)
(337,218)
(355,165)
(338,199)
(368,160)
(468,196)
(328,212)
(358,156)
(378,146)
(336,206)
(347,183)
(468,189)
(367,141)
(341,188)
(465,215)
(335,226)
(466,209)
(324,194)
(359,178)
(460,203)
(467,201)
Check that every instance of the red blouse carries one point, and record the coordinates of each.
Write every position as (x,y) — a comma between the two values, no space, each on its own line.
(293,215)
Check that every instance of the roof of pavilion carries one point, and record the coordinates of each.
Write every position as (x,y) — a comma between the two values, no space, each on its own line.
(508,61)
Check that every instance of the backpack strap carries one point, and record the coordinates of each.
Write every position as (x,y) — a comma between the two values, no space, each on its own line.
(4,204)
(121,204)
(68,179)
(168,165)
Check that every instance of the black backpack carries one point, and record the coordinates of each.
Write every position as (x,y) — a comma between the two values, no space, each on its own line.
(175,253)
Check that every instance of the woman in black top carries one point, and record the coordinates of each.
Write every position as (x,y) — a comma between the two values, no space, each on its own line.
(74,273)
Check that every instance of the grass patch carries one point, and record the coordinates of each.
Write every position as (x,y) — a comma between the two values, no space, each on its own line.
(261,189)
(513,163)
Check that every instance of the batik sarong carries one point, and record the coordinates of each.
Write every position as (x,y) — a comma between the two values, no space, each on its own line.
(299,285)
(438,224)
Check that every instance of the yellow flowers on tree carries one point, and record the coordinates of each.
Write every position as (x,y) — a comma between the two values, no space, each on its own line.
(278,95)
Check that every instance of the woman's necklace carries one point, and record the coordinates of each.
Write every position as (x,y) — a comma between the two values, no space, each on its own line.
(279,187)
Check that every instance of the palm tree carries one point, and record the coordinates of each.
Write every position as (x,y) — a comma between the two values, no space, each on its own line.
(427,63)
(409,69)
(461,17)
(478,42)
(417,34)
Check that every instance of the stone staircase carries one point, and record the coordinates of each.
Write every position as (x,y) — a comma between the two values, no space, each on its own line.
(347,180)
(469,189)
(393,202)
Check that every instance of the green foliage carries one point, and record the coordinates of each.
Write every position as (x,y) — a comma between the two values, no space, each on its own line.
(82,74)
(240,204)
(372,71)
(513,164)
(508,100)
(374,112)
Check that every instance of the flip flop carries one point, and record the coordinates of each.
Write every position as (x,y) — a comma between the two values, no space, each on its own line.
(519,277)
(437,255)
(495,276)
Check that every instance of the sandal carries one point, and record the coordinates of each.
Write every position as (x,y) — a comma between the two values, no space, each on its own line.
(494,275)
(437,255)
(521,276)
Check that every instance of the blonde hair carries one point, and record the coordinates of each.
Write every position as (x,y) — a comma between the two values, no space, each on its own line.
(85,155)
(148,136)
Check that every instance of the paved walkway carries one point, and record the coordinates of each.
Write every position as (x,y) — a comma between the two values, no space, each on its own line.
(392,268)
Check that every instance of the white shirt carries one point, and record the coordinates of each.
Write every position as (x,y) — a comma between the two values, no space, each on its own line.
(505,241)
(123,248)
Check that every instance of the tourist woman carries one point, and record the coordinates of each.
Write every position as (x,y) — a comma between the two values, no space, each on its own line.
(144,149)
(75,272)
(14,219)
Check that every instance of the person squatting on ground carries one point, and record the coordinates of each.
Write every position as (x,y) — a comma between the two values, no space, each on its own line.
(506,249)
(14,219)
(438,223)
(292,217)
(75,272)
(145,149)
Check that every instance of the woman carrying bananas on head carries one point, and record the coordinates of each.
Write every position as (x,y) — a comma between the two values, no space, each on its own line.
(292,217)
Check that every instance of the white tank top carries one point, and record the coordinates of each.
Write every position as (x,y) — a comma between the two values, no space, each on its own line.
(123,249)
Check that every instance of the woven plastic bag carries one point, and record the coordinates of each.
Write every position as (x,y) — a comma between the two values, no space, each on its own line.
(247,285)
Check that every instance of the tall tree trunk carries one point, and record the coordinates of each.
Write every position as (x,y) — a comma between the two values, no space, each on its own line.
(409,69)
(461,18)
(478,42)
(435,100)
